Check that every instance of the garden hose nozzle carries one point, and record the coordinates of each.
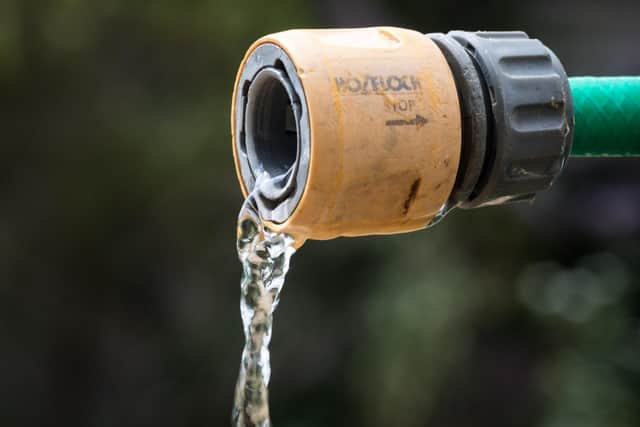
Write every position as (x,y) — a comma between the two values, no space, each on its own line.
(383,130)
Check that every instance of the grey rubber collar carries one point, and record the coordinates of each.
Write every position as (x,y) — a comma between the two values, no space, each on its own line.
(272,131)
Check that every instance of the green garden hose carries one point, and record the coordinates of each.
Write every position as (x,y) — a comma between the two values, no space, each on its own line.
(607,116)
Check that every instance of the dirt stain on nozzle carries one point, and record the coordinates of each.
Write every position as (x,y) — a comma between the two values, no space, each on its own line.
(413,192)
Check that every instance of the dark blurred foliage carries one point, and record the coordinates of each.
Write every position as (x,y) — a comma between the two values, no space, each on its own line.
(118,275)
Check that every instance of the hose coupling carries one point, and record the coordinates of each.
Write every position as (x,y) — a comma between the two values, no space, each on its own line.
(384,130)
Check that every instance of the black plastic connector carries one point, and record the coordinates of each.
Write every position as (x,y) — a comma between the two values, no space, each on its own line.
(520,88)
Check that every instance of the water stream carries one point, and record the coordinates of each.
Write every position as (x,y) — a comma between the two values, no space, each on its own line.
(265,259)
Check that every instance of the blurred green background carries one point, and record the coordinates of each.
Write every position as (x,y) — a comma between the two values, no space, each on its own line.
(119,283)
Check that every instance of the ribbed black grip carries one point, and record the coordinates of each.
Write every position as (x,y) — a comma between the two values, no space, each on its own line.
(530,120)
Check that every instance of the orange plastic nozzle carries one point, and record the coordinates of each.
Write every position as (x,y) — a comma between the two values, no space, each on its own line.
(384,130)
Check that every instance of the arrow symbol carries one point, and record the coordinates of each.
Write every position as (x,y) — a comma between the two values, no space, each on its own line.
(418,121)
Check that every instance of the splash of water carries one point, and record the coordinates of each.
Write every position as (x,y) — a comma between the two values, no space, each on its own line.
(265,256)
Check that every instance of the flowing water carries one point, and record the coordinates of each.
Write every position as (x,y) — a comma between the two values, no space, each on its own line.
(265,259)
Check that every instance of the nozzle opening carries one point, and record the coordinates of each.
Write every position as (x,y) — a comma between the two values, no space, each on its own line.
(272,126)
(271,131)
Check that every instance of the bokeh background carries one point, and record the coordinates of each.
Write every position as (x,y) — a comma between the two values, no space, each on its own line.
(119,283)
